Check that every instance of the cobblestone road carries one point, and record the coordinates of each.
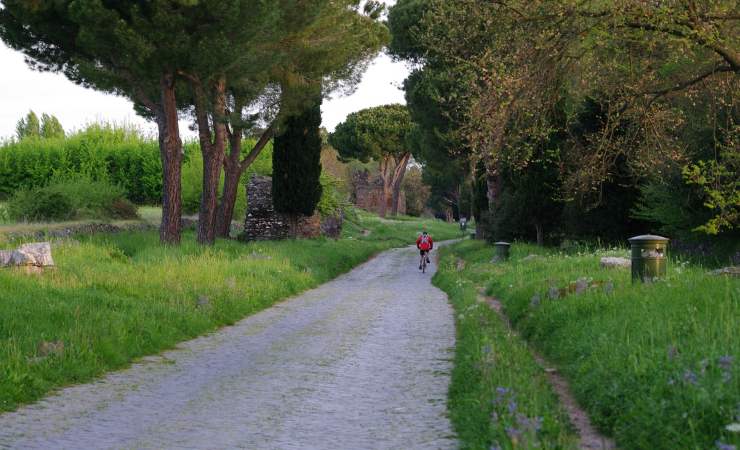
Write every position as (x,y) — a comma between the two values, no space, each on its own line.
(362,362)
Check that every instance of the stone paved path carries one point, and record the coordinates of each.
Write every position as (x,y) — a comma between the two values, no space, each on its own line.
(362,362)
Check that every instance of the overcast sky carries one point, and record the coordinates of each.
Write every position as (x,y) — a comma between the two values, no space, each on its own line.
(22,89)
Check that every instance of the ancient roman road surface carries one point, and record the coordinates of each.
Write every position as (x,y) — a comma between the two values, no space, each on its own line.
(362,362)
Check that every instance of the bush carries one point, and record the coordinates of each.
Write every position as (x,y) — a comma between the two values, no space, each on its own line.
(40,205)
(101,151)
(71,197)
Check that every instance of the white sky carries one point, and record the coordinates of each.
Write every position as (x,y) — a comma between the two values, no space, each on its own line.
(22,89)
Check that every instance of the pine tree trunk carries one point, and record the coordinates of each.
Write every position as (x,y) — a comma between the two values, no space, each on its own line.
(225,213)
(399,173)
(209,199)
(170,148)
(212,148)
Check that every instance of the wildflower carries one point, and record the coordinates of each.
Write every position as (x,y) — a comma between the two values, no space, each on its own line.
(672,352)
(725,362)
(496,447)
(690,377)
(537,423)
(721,446)
(704,363)
(512,406)
(487,349)
(514,434)
(494,416)
(733,428)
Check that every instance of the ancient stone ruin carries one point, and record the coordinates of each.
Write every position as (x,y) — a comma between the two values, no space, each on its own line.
(30,256)
(264,223)
(367,193)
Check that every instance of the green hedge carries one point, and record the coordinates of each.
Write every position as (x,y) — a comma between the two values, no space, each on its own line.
(119,155)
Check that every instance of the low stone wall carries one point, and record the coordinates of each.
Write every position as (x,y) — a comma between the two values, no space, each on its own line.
(263,223)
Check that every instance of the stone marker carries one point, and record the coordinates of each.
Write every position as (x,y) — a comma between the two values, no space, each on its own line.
(35,254)
(732,271)
(609,262)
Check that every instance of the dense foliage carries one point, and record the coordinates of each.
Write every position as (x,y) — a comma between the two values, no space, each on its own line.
(71,197)
(627,109)
(120,154)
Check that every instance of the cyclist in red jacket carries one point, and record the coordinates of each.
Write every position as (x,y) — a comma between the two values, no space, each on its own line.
(425,244)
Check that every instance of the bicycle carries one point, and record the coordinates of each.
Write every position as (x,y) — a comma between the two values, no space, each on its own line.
(424,259)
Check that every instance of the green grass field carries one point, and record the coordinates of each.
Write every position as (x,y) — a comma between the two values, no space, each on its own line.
(114,298)
(656,366)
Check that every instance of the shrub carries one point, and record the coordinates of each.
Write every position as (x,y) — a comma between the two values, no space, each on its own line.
(120,154)
(333,201)
(71,197)
(40,205)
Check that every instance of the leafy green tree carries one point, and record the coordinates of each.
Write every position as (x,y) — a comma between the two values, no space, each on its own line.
(274,71)
(296,164)
(417,192)
(51,127)
(126,47)
(379,134)
(28,127)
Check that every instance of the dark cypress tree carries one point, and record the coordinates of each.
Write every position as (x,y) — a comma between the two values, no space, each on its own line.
(296,164)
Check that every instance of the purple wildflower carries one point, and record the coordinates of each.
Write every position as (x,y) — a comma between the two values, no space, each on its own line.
(522,420)
(690,377)
(512,406)
(514,433)
(496,447)
(725,362)
(722,446)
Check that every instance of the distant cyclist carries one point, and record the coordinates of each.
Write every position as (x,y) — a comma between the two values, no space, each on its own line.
(425,244)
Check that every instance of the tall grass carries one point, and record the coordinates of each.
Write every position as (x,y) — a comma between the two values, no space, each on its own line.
(657,366)
(499,397)
(113,298)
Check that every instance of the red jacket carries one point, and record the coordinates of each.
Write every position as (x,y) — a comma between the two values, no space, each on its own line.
(428,245)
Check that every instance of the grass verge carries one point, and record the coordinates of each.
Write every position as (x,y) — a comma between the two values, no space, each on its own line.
(656,366)
(499,397)
(113,298)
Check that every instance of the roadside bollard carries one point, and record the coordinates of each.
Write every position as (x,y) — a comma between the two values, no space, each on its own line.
(502,251)
(648,257)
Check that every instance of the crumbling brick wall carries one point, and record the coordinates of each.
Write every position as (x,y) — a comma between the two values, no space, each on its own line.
(368,193)
(263,223)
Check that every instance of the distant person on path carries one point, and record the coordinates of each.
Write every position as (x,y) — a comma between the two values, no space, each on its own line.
(425,244)
(463,223)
